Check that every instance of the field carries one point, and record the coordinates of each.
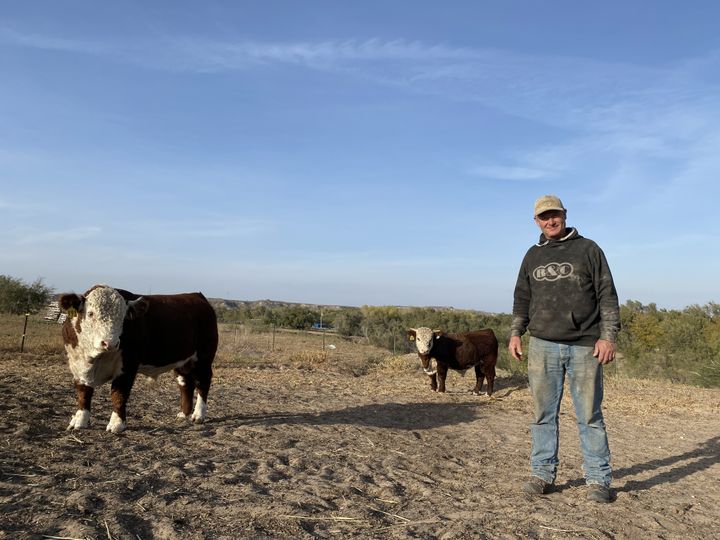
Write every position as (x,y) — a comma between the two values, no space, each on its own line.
(342,443)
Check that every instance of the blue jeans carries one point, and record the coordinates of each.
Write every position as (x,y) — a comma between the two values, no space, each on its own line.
(548,362)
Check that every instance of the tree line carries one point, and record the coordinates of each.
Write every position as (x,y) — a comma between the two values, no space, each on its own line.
(18,297)
(679,345)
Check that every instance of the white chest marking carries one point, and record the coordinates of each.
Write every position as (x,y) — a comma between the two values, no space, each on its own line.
(92,370)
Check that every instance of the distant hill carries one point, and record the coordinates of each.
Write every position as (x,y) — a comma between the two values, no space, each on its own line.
(235,304)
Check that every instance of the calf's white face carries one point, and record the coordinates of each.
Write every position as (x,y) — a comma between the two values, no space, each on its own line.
(424,339)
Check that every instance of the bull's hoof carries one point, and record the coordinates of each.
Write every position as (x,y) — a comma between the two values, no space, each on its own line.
(476,393)
(80,420)
(116,425)
(198,415)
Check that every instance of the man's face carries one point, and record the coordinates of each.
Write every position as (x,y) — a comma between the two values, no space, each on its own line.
(552,223)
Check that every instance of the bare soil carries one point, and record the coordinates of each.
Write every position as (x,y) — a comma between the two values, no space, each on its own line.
(324,447)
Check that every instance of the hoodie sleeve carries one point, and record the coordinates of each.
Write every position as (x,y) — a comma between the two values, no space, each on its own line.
(607,298)
(521,301)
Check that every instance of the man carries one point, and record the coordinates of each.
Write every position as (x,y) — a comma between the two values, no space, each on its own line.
(566,298)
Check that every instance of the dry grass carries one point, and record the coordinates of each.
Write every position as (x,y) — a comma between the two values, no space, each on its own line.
(642,397)
(42,339)
(406,363)
(308,449)
(240,347)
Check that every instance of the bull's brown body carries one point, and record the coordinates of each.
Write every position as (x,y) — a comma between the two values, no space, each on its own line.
(159,333)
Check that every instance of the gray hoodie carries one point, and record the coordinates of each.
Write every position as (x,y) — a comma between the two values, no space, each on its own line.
(565,292)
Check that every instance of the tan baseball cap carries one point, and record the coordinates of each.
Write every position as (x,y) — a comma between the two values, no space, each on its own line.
(547,202)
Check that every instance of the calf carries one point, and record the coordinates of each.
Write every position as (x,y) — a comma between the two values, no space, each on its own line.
(439,351)
(112,335)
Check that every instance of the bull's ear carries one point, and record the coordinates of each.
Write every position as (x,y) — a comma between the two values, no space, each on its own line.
(70,301)
(137,308)
(438,333)
(412,333)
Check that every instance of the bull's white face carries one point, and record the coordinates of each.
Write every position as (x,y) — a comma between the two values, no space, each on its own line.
(104,313)
(424,339)
(98,325)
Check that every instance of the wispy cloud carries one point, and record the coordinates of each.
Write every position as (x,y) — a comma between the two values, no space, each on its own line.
(54,43)
(572,93)
(580,93)
(601,109)
(58,236)
(509,173)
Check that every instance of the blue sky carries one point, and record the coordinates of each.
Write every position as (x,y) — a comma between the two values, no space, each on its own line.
(375,152)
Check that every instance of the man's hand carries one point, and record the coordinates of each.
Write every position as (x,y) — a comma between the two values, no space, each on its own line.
(515,348)
(604,351)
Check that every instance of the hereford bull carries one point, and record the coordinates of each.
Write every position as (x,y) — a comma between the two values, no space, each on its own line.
(112,335)
(439,352)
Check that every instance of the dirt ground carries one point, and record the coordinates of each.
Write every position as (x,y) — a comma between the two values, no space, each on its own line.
(328,452)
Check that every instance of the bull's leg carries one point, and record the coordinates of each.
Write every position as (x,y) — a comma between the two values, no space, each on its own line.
(119,394)
(433,382)
(442,375)
(479,376)
(186,384)
(81,419)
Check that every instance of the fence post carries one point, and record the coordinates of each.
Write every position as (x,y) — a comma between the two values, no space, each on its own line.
(22,343)
(322,330)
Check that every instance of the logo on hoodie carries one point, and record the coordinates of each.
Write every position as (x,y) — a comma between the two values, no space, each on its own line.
(553,271)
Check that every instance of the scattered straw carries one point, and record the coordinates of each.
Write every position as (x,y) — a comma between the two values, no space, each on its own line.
(73,437)
(406,520)
(310,518)
(574,531)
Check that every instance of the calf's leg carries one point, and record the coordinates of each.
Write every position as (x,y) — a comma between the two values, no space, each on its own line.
(490,375)
(479,376)
(442,375)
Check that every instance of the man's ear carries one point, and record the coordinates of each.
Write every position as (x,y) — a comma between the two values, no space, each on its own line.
(137,308)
